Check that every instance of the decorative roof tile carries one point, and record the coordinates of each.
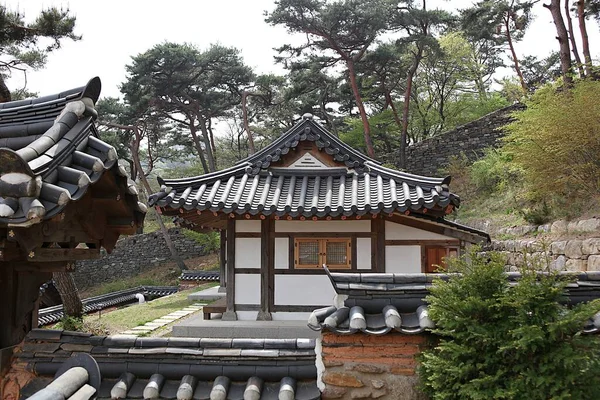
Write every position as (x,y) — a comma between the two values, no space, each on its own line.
(355,185)
(50,154)
(377,304)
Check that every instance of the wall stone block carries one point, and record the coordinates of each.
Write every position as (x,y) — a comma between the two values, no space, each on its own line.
(573,249)
(134,255)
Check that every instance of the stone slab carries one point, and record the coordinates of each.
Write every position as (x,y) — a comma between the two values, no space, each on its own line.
(196,326)
(210,294)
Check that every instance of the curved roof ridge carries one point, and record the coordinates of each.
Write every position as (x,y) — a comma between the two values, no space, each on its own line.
(407,176)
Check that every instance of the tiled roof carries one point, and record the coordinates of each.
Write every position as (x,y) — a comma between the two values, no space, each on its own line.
(357,186)
(180,367)
(380,303)
(202,276)
(50,154)
(54,314)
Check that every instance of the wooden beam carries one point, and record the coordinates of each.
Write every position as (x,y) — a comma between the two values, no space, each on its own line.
(378,245)
(230,313)
(265,255)
(432,226)
(222,257)
(42,255)
(450,242)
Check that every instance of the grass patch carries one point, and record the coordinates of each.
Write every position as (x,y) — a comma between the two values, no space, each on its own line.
(132,316)
(162,275)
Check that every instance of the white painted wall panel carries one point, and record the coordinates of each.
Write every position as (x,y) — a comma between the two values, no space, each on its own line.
(247,288)
(247,315)
(290,316)
(363,253)
(247,253)
(243,225)
(323,226)
(282,255)
(303,290)
(394,231)
(402,259)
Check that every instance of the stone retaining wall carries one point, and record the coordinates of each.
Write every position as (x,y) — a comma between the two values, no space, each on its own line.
(558,244)
(134,255)
(430,156)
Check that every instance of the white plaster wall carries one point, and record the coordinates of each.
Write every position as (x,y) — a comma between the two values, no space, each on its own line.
(394,231)
(247,288)
(290,316)
(247,252)
(282,255)
(246,315)
(242,225)
(363,253)
(323,226)
(403,259)
(303,290)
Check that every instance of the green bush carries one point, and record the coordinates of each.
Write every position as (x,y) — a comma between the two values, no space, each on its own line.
(556,142)
(211,242)
(503,342)
(494,171)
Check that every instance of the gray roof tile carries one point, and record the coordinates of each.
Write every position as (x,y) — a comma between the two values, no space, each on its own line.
(39,136)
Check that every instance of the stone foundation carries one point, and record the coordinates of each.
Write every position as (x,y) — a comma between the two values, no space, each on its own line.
(361,366)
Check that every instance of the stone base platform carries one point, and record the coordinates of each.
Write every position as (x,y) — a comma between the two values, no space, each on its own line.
(210,294)
(197,327)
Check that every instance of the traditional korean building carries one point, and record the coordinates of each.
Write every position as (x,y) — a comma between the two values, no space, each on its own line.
(306,200)
(63,197)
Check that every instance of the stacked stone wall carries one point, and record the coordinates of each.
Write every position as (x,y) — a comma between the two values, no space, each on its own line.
(431,156)
(361,366)
(565,246)
(134,255)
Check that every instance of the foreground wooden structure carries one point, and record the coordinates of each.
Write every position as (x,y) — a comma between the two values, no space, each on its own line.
(306,200)
(63,197)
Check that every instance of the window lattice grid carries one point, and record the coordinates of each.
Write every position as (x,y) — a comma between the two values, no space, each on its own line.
(336,253)
(308,252)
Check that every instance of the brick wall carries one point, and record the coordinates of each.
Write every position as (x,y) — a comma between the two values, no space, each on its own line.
(361,366)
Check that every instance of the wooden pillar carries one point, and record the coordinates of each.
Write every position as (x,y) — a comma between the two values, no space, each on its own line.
(230,314)
(19,293)
(378,244)
(222,264)
(266,261)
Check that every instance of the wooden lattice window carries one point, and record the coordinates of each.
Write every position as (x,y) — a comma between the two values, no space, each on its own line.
(314,252)
(435,258)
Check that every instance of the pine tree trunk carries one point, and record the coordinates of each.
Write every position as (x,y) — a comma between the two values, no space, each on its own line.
(251,148)
(407,93)
(65,284)
(361,108)
(199,148)
(585,43)
(135,146)
(208,148)
(563,41)
(4,92)
(572,40)
(514,54)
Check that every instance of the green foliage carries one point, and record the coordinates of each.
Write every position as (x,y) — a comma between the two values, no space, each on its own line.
(556,142)
(211,242)
(69,323)
(503,342)
(494,171)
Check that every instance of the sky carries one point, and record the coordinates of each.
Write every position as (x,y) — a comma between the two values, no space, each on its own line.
(115,30)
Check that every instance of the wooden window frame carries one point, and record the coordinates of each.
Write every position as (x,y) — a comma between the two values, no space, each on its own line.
(322,244)
(426,265)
